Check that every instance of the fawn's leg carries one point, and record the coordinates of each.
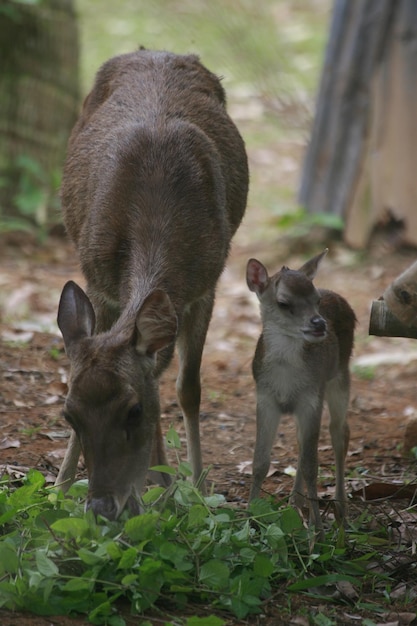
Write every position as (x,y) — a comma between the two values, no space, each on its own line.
(308,418)
(190,343)
(337,396)
(268,416)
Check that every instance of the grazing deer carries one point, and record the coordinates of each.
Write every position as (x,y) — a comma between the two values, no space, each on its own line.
(302,358)
(154,187)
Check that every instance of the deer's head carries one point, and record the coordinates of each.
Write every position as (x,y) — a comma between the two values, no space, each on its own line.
(289,299)
(113,401)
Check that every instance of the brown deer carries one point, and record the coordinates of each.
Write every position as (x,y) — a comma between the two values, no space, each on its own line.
(302,358)
(154,187)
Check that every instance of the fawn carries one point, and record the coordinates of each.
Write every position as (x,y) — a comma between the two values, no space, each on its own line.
(154,187)
(301,358)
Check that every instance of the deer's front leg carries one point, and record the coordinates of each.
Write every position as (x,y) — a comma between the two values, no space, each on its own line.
(68,469)
(267,419)
(190,344)
(308,419)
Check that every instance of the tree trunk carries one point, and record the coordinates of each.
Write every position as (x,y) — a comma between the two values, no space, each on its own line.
(387,184)
(39,96)
(334,155)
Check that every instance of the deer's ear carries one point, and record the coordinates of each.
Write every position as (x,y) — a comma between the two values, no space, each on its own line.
(76,318)
(256,276)
(156,323)
(310,267)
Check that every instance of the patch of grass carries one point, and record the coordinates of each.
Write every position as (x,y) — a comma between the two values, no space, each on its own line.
(364,372)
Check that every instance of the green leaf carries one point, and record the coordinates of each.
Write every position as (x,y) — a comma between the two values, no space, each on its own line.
(215,574)
(79,584)
(141,527)
(175,554)
(197,516)
(128,559)
(71,527)
(173,439)
(164,469)
(153,494)
(274,535)
(45,565)
(9,562)
(263,565)
(290,520)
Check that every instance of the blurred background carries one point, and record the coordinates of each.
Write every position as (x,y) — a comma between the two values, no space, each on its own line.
(269,54)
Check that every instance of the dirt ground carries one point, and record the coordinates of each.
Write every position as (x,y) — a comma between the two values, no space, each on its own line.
(33,369)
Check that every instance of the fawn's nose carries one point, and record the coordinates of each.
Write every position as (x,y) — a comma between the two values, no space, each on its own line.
(318,323)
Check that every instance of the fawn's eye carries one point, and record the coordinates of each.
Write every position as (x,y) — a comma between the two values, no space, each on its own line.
(133,417)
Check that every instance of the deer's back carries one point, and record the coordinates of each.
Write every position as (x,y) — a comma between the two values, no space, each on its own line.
(155,167)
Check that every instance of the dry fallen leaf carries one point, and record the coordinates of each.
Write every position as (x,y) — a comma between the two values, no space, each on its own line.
(9,443)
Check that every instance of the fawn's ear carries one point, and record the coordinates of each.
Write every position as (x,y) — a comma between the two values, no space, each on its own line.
(76,318)
(156,323)
(256,276)
(310,267)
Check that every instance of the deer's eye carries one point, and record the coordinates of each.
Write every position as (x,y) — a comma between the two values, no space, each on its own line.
(133,418)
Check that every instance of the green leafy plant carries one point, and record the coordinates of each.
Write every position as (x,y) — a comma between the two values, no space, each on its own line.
(185,548)
(35,193)
(300,222)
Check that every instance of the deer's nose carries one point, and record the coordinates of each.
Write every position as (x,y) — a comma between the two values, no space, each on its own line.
(105,506)
(318,323)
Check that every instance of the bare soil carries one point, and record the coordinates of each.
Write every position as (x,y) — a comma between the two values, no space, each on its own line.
(33,369)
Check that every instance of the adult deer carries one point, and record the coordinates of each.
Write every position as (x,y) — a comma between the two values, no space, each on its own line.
(302,358)
(154,187)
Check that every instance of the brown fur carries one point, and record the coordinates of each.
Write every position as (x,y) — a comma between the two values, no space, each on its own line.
(154,187)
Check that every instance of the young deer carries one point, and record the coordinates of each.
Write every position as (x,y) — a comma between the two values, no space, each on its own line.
(154,187)
(302,358)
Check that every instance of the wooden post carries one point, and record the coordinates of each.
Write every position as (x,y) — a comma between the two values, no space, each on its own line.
(395,315)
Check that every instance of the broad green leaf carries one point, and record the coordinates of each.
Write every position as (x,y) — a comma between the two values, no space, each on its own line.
(71,527)
(184,468)
(216,500)
(175,554)
(129,579)
(150,496)
(263,565)
(79,584)
(141,527)
(197,516)
(128,559)
(173,439)
(113,550)
(90,558)
(45,565)
(215,574)
(290,520)
(9,561)
(274,535)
